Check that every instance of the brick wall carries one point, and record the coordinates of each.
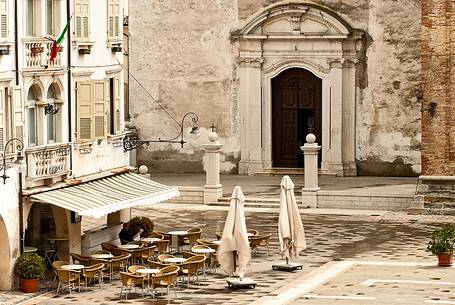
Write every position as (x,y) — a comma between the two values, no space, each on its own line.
(438,77)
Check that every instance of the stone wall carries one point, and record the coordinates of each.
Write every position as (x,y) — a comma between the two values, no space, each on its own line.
(438,51)
(181,52)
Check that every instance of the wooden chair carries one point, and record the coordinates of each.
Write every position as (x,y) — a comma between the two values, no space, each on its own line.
(120,262)
(93,272)
(258,241)
(56,265)
(129,281)
(134,268)
(192,266)
(166,278)
(69,278)
(77,258)
(162,245)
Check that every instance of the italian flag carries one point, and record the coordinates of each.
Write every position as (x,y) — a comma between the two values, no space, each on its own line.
(59,40)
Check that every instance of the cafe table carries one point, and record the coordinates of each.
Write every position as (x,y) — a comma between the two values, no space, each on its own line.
(106,256)
(148,271)
(75,267)
(175,235)
(174,260)
(150,240)
(28,249)
(206,252)
(128,247)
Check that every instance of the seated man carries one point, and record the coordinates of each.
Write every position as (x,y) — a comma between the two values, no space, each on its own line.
(126,235)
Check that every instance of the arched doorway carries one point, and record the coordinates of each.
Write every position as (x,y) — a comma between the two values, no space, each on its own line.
(5,268)
(296,111)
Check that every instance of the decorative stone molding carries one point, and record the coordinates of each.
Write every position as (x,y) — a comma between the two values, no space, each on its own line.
(251,62)
(300,62)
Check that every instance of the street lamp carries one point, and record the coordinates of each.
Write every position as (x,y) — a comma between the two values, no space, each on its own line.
(19,148)
(133,143)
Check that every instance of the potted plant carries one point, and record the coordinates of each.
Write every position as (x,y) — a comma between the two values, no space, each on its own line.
(442,244)
(37,50)
(30,267)
(144,223)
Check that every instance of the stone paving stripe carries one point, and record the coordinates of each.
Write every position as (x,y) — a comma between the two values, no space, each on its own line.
(370,282)
(38,299)
(341,297)
(439,302)
(313,280)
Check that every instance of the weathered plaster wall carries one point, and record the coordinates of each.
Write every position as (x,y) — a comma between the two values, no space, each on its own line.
(181,52)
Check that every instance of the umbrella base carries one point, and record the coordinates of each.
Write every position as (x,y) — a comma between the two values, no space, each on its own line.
(287,266)
(237,283)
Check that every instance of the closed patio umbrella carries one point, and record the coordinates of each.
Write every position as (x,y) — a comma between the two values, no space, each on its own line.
(234,252)
(290,227)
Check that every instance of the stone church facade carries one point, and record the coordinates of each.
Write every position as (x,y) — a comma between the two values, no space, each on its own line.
(268,72)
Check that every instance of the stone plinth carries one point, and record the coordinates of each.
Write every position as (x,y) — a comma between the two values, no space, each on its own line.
(310,151)
(212,188)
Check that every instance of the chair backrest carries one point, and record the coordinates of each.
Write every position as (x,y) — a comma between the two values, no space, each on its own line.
(121,257)
(196,258)
(102,252)
(170,269)
(83,260)
(156,265)
(260,240)
(252,231)
(148,251)
(194,234)
(66,275)
(162,245)
(108,246)
(156,235)
(58,264)
(186,254)
(134,268)
(203,242)
(129,279)
(93,269)
(162,257)
(136,242)
(199,247)
(219,235)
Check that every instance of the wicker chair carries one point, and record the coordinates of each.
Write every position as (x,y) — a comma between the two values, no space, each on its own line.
(129,281)
(207,243)
(155,234)
(77,258)
(258,241)
(162,257)
(102,252)
(93,272)
(56,265)
(134,268)
(192,266)
(107,265)
(111,248)
(146,252)
(120,262)
(162,245)
(69,278)
(156,265)
(191,238)
(218,235)
(186,254)
(165,235)
(253,232)
(167,277)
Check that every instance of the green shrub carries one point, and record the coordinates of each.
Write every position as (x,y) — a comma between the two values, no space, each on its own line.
(30,266)
(144,223)
(442,240)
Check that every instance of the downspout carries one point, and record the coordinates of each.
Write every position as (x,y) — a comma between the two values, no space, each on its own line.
(70,131)
(16,42)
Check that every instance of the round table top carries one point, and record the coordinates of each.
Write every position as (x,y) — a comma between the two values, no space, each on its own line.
(150,239)
(216,242)
(148,271)
(128,247)
(178,232)
(30,249)
(102,255)
(72,267)
(174,260)
(203,250)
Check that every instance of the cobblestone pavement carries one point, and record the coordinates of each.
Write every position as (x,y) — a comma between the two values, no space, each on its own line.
(363,236)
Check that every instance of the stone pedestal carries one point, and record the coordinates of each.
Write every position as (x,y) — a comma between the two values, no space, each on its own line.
(310,151)
(212,188)
(115,218)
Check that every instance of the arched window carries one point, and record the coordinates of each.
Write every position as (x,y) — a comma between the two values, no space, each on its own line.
(31,117)
(51,117)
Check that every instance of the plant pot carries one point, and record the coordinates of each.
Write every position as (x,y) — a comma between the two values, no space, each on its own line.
(60,49)
(445,259)
(29,285)
(37,50)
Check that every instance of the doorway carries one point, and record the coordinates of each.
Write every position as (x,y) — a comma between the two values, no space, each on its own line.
(296,111)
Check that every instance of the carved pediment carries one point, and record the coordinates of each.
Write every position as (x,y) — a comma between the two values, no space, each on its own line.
(295,19)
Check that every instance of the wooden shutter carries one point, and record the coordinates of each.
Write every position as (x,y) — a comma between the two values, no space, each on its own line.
(3,20)
(99,108)
(18,113)
(116,105)
(82,20)
(116,18)
(84,111)
(113,17)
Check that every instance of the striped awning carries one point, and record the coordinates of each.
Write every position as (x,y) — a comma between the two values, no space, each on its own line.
(100,197)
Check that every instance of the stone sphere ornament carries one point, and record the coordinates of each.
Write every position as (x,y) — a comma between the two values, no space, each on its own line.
(310,138)
(143,169)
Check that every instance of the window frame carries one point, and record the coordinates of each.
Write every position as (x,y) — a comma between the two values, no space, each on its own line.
(113,16)
(4,29)
(83,18)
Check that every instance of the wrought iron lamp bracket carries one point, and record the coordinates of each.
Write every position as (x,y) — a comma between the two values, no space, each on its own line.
(19,148)
(50,109)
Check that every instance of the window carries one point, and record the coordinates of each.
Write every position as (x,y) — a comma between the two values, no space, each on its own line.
(91,110)
(2,120)
(114,103)
(31,117)
(51,117)
(113,17)
(50,18)
(3,20)
(31,18)
(81,16)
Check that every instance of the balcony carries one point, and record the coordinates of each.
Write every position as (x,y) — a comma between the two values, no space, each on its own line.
(38,53)
(48,161)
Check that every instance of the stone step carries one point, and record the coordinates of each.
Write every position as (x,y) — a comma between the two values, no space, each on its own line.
(280,171)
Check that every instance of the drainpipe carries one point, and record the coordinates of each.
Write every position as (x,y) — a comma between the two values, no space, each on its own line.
(16,42)
(68,16)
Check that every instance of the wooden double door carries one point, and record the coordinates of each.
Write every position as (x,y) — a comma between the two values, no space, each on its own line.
(296,111)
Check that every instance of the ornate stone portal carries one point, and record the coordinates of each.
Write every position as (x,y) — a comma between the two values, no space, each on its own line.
(309,37)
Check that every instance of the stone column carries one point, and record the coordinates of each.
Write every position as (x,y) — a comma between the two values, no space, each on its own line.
(250,116)
(116,218)
(212,188)
(310,151)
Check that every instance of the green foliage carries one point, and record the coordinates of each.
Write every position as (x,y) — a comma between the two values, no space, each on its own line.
(30,266)
(442,240)
(144,223)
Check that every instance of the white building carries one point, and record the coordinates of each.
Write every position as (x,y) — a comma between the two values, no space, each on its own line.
(81,141)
